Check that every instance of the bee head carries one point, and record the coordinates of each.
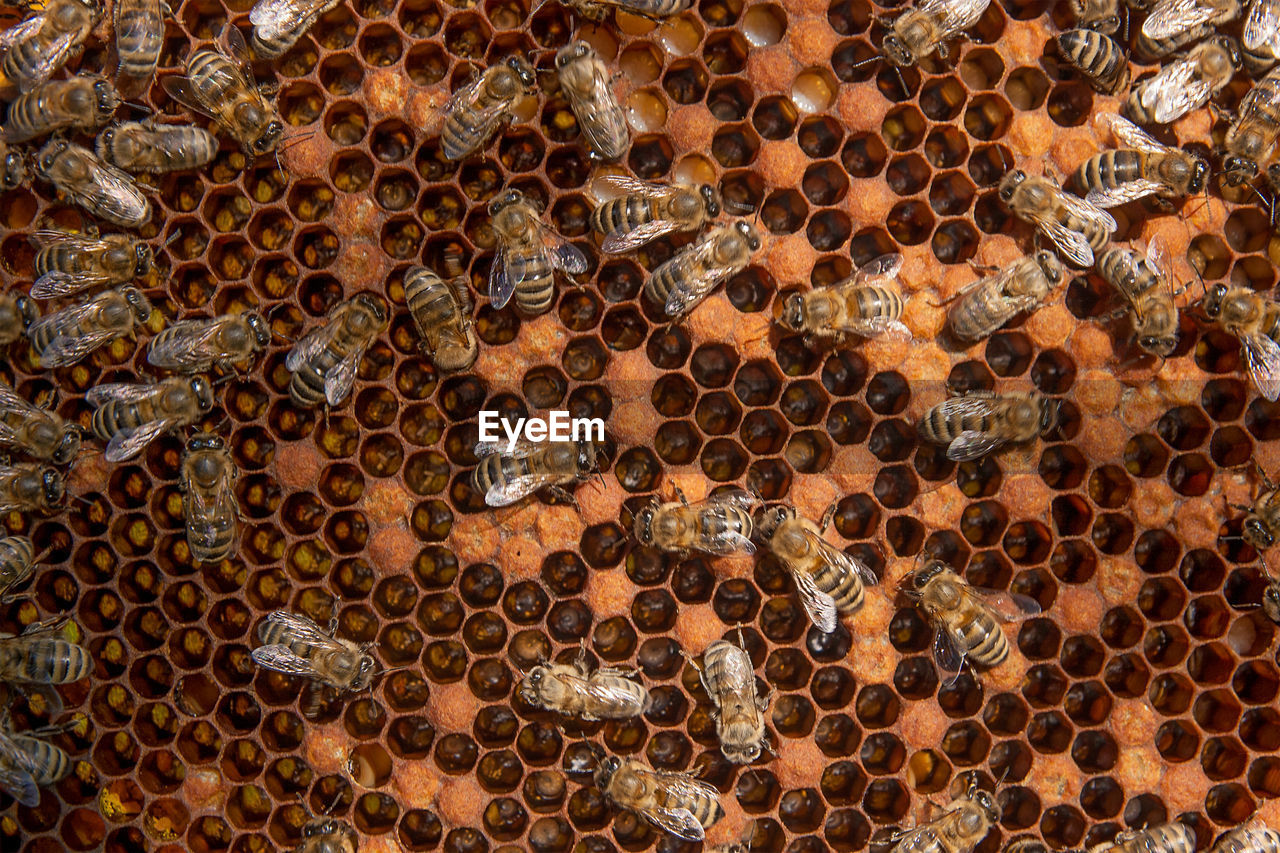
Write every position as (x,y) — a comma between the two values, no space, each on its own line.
(69,446)
(204,393)
(920,579)
(54,490)
(606,769)
(1271,601)
(1158,345)
(1199,174)
(105,94)
(710,199)
(1232,49)
(1213,301)
(258,325)
(27,308)
(142,259)
(15,169)
(1009,183)
(524,71)
(139,303)
(1237,170)
(504,201)
(743,754)
(1049,265)
(987,802)
(365,671)
(267,140)
(749,234)
(772,517)
(895,51)
(588,454)
(204,441)
(531,686)
(571,52)
(793,312)
(1257,534)
(644,525)
(48,156)
(1049,412)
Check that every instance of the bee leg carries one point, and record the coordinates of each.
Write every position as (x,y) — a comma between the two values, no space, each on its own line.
(580,660)
(827,516)
(679,493)
(560,494)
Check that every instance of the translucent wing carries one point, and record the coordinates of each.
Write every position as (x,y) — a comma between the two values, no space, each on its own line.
(180,89)
(820,606)
(729,542)
(272,17)
(1157,255)
(564,255)
(111,193)
(122,392)
(962,407)
(68,349)
(972,444)
(481,117)
(1072,244)
(500,284)
(311,345)
(1126,192)
(1175,91)
(1088,212)
(486,448)
(1009,606)
(734,497)
(53,58)
(604,692)
(879,270)
(847,562)
(339,378)
(20,31)
(627,185)
(231,42)
(1262,356)
(617,242)
(283,659)
(10,400)
(516,488)
(955,15)
(47,237)
(17,781)
(186,346)
(1171,17)
(680,787)
(1262,28)
(947,649)
(879,327)
(298,628)
(128,443)
(699,258)
(1129,133)
(54,284)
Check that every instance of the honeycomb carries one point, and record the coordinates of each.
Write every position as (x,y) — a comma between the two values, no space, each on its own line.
(1144,692)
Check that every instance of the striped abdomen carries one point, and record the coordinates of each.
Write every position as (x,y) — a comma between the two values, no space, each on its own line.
(981,311)
(1097,235)
(142,25)
(49,762)
(1155,48)
(307,385)
(17,557)
(43,660)
(979,634)
(869,302)
(462,134)
(213,540)
(430,301)
(941,429)
(625,213)
(842,585)
(1098,57)
(500,468)
(116,416)
(1110,169)
(536,286)
(211,76)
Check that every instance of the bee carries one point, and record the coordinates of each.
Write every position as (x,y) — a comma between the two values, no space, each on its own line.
(64,337)
(67,263)
(730,680)
(295,645)
(146,146)
(1262,519)
(195,346)
(41,44)
(828,581)
(477,109)
(927,27)
(585,81)
(598,10)
(139,29)
(529,253)
(985,305)
(1252,837)
(220,84)
(1145,168)
(103,190)
(1180,21)
(13,167)
(442,312)
(1165,838)
(1186,84)
(83,102)
(676,802)
(324,362)
(1255,320)
(868,304)
(1144,283)
(1096,56)
(1103,15)
(31,488)
(685,279)
(1261,36)
(1271,599)
(28,763)
(1252,135)
(278,24)
(17,564)
(573,690)
(966,619)
(327,835)
(42,655)
(130,416)
(721,524)
(208,503)
(979,423)
(1076,227)
(504,477)
(645,211)
(958,830)
(37,431)
(17,312)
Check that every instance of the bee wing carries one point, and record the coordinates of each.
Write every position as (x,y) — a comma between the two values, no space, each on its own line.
(53,284)
(879,327)
(270,18)
(729,541)
(1172,17)
(735,497)
(627,185)
(231,42)
(955,15)
(678,820)
(820,606)
(617,242)
(972,444)
(121,392)
(500,284)
(602,691)
(947,649)
(68,349)
(1129,133)
(1262,356)
(698,256)
(562,254)
(50,61)
(179,88)
(962,407)
(186,348)
(1262,27)
(503,494)
(10,400)
(882,269)
(311,345)
(47,237)
(128,443)
(1175,91)
(19,31)
(849,562)
(482,118)
(112,191)
(1009,606)
(339,379)
(298,628)
(283,659)
(1128,191)
(16,779)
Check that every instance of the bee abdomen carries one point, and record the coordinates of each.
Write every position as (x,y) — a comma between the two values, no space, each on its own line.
(459,136)
(214,543)
(139,57)
(113,418)
(49,762)
(52,661)
(1098,57)
(871,302)
(1109,170)
(986,642)
(845,588)
(307,385)
(939,428)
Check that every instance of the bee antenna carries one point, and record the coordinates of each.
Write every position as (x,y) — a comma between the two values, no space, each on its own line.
(867,61)
(137,106)
(294,139)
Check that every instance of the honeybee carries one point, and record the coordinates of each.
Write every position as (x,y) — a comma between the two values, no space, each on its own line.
(1252,136)
(64,337)
(1271,598)
(1152,49)
(17,564)
(981,422)
(83,102)
(13,167)
(985,305)
(327,835)
(959,829)
(442,312)
(130,416)
(31,488)
(1076,227)
(1103,15)
(1175,19)
(103,190)
(504,477)
(685,279)
(573,690)
(1144,283)
(28,763)
(41,44)
(146,146)
(730,680)
(220,84)
(42,655)
(139,28)
(529,253)
(1166,838)
(1145,168)
(194,346)
(67,263)
(585,81)
(676,802)
(208,503)
(37,431)
(966,619)
(867,304)
(645,211)
(295,645)
(828,581)
(1098,57)
(17,311)
(1261,36)
(477,109)
(1252,837)
(598,10)
(278,24)
(721,524)
(324,362)
(1262,519)
(927,27)
(1186,84)
(1255,320)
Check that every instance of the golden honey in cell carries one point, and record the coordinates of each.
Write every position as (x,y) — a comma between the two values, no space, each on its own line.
(295,645)
(642,211)
(1251,138)
(208,502)
(17,311)
(41,44)
(1098,57)
(957,830)
(197,346)
(278,24)
(730,680)
(1077,228)
(1144,168)
(139,37)
(680,283)
(576,691)
(68,263)
(979,423)
(1184,84)
(1144,283)
(129,416)
(83,102)
(1254,318)
(828,581)
(927,27)
(35,430)
(101,189)
(586,83)
(505,476)
(966,620)
(868,304)
(442,312)
(17,564)
(675,802)
(484,104)
(153,148)
(529,253)
(721,524)
(28,487)
(984,306)
(324,361)
(64,337)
